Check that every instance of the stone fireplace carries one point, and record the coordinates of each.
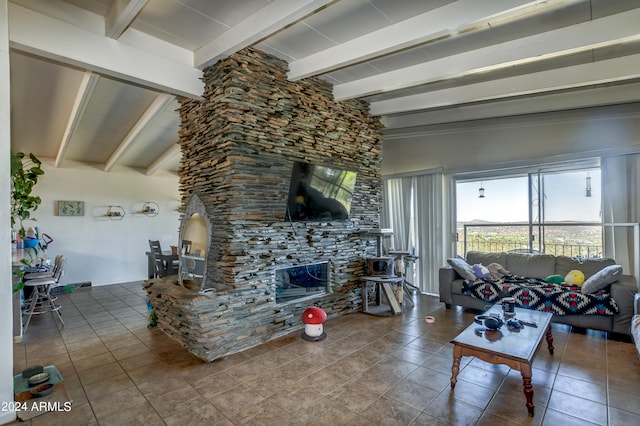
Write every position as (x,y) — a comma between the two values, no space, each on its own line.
(295,283)
(239,145)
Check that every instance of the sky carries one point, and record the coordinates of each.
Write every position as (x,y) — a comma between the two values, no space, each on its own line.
(506,199)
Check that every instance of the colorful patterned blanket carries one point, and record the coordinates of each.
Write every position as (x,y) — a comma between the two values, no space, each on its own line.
(533,293)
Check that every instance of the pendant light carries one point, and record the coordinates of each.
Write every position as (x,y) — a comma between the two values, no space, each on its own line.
(481,191)
(587,188)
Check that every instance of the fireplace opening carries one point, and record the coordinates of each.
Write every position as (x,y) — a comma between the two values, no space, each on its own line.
(302,281)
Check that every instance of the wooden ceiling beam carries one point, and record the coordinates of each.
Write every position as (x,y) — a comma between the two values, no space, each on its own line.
(87,86)
(42,35)
(452,20)
(156,107)
(577,77)
(403,124)
(611,31)
(168,155)
(121,15)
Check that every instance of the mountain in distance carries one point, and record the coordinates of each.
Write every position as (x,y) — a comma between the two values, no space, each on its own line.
(487,222)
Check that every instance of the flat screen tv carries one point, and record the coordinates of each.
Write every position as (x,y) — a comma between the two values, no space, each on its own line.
(319,192)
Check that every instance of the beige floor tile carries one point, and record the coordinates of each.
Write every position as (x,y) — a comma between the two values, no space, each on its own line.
(449,410)
(432,379)
(554,418)
(624,399)
(79,414)
(622,418)
(138,413)
(482,375)
(92,362)
(352,395)
(215,384)
(110,386)
(397,366)
(87,377)
(576,406)
(262,413)
(123,401)
(377,380)
(80,353)
(412,394)
(588,390)
(369,371)
(200,414)
(326,411)
(388,411)
(235,400)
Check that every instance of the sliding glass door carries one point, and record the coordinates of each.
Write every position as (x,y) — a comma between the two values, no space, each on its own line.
(555,211)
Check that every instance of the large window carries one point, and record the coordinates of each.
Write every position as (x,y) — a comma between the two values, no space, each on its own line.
(549,211)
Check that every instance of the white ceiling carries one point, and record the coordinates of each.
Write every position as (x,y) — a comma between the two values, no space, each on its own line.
(93,82)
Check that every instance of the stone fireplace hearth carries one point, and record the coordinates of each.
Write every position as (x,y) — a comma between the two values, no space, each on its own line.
(239,145)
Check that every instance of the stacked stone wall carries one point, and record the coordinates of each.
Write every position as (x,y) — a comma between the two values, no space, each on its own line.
(238,147)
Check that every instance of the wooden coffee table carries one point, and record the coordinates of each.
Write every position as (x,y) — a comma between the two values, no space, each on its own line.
(513,348)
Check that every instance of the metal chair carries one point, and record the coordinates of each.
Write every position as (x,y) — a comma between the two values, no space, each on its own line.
(45,274)
(41,300)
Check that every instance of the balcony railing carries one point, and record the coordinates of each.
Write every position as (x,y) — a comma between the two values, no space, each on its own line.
(503,237)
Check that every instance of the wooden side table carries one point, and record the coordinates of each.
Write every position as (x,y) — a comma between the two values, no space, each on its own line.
(392,289)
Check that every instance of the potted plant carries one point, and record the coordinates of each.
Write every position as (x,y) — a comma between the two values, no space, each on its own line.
(25,172)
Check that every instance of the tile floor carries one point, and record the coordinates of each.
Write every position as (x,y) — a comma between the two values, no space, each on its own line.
(369,371)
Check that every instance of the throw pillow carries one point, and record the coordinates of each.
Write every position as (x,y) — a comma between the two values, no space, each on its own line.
(554,279)
(462,268)
(480,271)
(601,279)
(574,277)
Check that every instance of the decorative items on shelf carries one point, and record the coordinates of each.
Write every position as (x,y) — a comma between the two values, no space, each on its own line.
(150,208)
(115,213)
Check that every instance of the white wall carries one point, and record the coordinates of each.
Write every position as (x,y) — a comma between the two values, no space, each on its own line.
(100,250)
(6,296)
(478,144)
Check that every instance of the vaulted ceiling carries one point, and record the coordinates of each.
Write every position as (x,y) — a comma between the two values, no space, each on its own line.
(93,82)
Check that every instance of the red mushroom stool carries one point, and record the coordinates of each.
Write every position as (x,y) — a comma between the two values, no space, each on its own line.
(313,318)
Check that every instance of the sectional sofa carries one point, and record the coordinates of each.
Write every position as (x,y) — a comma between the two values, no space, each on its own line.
(455,290)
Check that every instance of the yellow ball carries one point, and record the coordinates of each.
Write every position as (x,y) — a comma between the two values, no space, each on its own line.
(574,277)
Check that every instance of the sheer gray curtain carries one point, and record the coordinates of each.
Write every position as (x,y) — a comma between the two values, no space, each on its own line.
(397,211)
(429,227)
(620,186)
(413,208)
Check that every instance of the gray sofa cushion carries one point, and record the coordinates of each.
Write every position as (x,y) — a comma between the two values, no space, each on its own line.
(485,259)
(588,267)
(601,279)
(531,265)
(462,268)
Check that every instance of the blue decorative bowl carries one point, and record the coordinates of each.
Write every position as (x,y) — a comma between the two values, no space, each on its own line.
(30,242)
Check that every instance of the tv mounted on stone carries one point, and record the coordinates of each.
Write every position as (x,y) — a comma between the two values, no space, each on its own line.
(319,192)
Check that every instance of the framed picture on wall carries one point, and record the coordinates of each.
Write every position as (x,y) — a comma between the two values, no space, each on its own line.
(70,208)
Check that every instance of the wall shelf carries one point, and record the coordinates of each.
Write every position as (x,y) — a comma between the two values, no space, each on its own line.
(115,213)
(150,208)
